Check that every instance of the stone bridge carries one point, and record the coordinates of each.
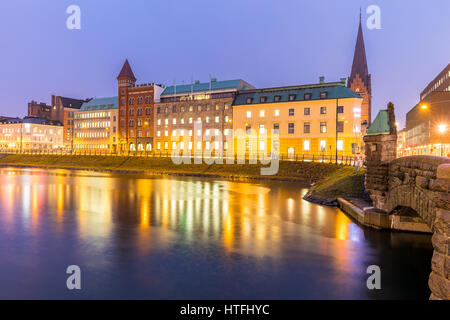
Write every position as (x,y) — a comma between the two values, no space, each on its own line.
(421,183)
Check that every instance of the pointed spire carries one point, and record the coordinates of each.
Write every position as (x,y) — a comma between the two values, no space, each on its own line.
(359,59)
(126,71)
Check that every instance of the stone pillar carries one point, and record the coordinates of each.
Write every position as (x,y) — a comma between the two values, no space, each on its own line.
(439,281)
(380,150)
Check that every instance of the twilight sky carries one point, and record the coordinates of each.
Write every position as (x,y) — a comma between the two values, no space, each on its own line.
(267,43)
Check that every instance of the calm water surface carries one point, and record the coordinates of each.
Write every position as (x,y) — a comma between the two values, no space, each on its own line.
(190,238)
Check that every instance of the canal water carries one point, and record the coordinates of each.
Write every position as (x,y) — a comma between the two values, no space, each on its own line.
(140,237)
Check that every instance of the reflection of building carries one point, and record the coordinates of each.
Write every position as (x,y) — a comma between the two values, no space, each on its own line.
(183,107)
(30,135)
(96,126)
(136,111)
(360,80)
(440,83)
(307,118)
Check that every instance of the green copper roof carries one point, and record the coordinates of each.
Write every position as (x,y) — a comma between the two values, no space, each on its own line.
(205,86)
(380,125)
(100,104)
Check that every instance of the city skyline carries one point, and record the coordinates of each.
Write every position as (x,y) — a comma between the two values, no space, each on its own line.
(293,64)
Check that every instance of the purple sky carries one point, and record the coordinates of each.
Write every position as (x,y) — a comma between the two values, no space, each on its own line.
(267,43)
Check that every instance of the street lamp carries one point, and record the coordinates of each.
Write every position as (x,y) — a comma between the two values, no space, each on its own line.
(442,129)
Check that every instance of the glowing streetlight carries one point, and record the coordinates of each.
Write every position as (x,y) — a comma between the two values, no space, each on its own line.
(424,107)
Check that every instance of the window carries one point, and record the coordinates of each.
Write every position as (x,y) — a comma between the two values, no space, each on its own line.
(122,102)
(323,127)
(277,98)
(291,112)
(166,145)
(262,145)
(340,126)
(158,133)
(323,95)
(306,127)
(159,122)
(122,112)
(354,148)
(174,133)
(217,119)
(174,121)
(323,145)
(166,121)
(139,112)
(166,133)
(182,109)
(131,123)
(148,100)
(182,120)
(131,112)
(207,119)
(249,100)
(190,120)
(306,145)
(307,96)
(307,111)
(277,113)
(131,101)
(158,145)
(248,129)
(292,97)
(262,129)
(323,110)
(174,109)
(291,127)
(148,111)
(249,114)
(263,99)
(158,110)
(340,109)
(261,113)
(199,108)
(276,128)
(181,133)
(340,145)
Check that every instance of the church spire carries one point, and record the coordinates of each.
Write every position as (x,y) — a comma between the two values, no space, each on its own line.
(126,72)
(359,65)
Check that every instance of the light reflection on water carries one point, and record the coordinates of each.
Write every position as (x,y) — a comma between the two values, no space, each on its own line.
(156,237)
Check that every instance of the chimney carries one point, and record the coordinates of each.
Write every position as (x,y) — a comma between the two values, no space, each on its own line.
(321,79)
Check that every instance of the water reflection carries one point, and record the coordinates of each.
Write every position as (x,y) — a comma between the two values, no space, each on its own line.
(129,228)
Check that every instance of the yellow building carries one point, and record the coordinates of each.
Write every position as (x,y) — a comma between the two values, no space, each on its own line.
(30,135)
(309,120)
(96,126)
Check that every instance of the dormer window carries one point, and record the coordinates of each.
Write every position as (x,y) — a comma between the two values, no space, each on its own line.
(249,100)
(323,95)
(277,98)
(292,97)
(307,96)
(263,99)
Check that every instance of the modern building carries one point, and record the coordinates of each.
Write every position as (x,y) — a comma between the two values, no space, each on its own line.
(39,110)
(440,83)
(30,134)
(317,119)
(96,126)
(428,126)
(360,81)
(196,117)
(136,109)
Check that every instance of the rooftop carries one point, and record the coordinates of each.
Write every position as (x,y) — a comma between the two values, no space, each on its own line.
(225,85)
(380,125)
(100,104)
(332,90)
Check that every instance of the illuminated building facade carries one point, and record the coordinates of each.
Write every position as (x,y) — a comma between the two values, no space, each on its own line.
(440,83)
(96,126)
(195,118)
(306,119)
(428,126)
(136,109)
(30,135)
(39,110)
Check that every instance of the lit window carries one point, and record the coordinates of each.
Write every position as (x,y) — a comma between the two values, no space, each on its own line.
(182,133)
(262,130)
(261,113)
(207,132)
(340,145)
(199,145)
(190,120)
(174,145)
(323,145)
(174,121)
(174,133)
(166,133)
(159,122)
(158,133)
(190,145)
(249,114)
(207,145)
(166,121)
(262,145)
(277,113)
(225,132)
(217,119)
(190,133)
(306,145)
(216,145)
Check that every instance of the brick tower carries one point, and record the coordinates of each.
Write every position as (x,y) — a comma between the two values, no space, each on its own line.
(360,79)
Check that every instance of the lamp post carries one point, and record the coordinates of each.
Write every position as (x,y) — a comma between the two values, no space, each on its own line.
(337,120)
(442,129)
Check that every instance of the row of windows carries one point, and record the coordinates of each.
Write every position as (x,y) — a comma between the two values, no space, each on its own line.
(93,124)
(292,97)
(191,108)
(138,100)
(90,115)
(140,134)
(291,112)
(306,128)
(199,146)
(182,132)
(191,120)
(148,111)
(140,123)
(98,134)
